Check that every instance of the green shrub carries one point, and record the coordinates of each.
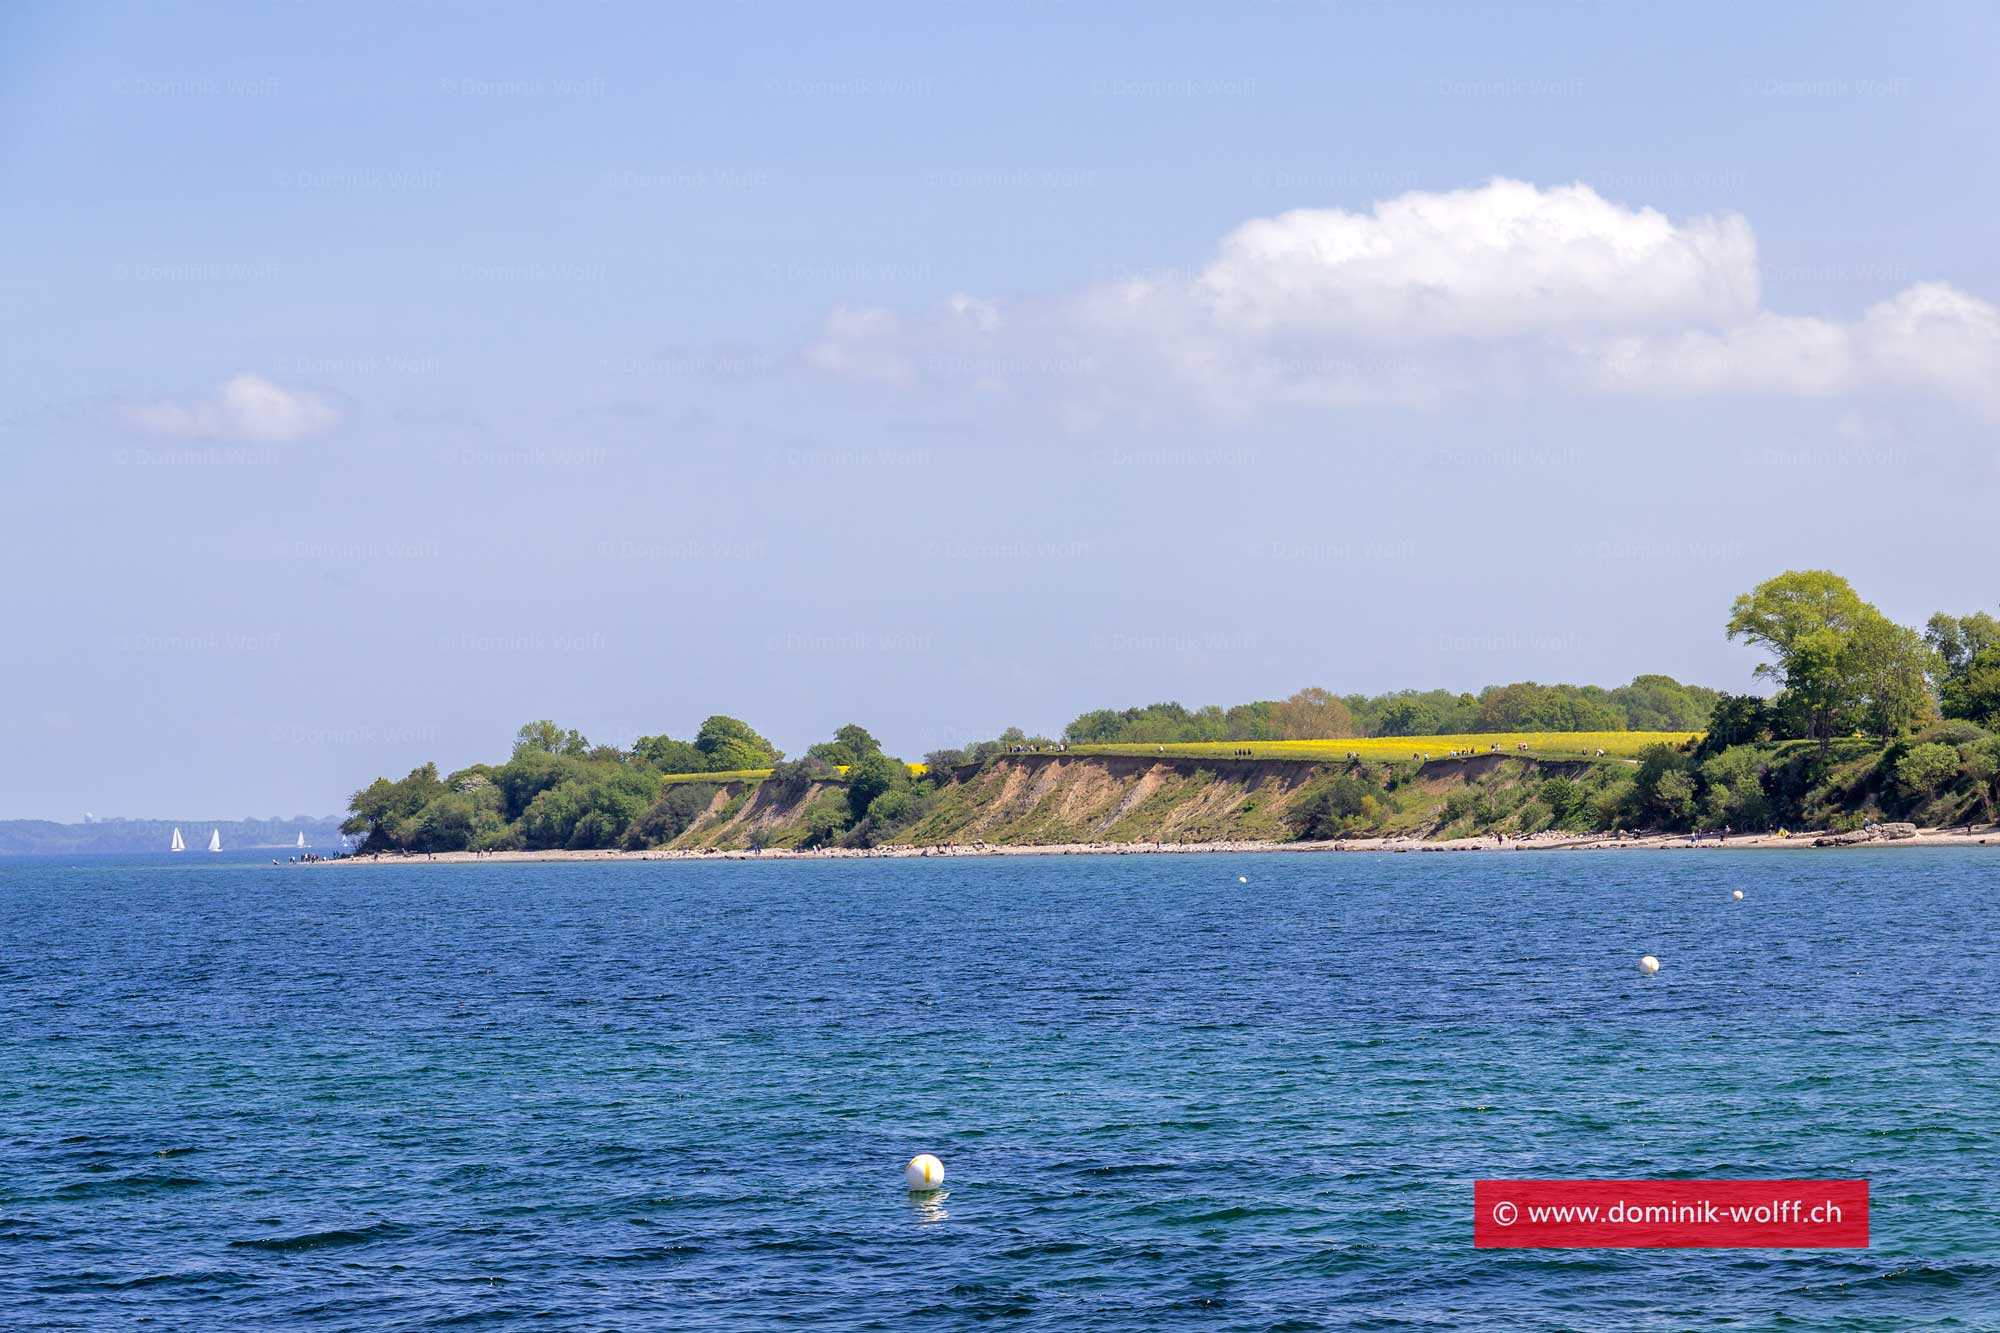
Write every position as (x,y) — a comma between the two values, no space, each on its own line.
(1927,767)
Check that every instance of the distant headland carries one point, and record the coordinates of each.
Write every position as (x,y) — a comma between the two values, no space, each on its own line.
(1870,723)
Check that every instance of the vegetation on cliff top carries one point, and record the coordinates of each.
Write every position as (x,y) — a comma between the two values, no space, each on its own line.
(1869,719)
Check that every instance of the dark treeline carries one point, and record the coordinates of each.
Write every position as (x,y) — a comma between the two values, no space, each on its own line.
(1649,703)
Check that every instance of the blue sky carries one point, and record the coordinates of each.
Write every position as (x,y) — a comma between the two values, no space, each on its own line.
(380,377)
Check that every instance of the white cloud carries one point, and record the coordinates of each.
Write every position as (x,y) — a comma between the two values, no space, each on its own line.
(1934,335)
(1506,258)
(247,408)
(1503,288)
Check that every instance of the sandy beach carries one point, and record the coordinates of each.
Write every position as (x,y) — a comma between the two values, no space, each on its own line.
(1984,835)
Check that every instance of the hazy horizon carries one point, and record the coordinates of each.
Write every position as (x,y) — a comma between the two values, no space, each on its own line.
(380,379)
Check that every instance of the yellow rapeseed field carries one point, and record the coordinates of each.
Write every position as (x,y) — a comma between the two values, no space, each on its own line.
(1543,744)
(759,774)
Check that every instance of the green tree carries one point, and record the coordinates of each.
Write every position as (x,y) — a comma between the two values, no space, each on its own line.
(729,744)
(1974,693)
(1737,719)
(1805,620)
(1408,716)
(1661,703)
(384,814)
(1664,787)
(849,743)
(825,819)
(1958,640)
(1889,669)
(546,737)
(667,755)
(1310,715)
(870,776)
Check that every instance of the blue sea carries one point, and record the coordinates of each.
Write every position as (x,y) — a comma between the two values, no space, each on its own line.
(680,1096)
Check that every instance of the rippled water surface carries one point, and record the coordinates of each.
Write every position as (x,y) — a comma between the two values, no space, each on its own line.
(680,1095)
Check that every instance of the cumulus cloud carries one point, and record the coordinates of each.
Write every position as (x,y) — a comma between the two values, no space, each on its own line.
(1503,259)
(247,408)
(1500,288)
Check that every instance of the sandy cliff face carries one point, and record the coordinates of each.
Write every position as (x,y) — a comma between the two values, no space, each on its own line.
(1035,799)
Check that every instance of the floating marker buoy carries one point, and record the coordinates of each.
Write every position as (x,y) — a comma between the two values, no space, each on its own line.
(924,1172)
(1242,879)
(1649,965)
(1738,895)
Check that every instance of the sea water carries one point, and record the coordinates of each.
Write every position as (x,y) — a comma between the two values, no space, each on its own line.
(680,1095)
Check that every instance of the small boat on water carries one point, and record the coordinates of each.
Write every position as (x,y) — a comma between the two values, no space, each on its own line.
(215,840)
(177,845)
(302,838)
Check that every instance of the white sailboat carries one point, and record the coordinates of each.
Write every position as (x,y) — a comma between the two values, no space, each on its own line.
(215,840)
(178,845)
(302,838)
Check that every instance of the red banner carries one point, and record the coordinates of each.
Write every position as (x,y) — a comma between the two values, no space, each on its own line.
(1692,1214)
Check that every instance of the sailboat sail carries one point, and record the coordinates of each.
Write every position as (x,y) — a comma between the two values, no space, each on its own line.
(302,838)
(215,840)
(178,845)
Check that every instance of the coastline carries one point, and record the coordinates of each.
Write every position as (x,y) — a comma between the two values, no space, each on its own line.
(1988,835)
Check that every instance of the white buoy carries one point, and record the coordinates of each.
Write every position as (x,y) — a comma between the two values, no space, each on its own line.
(1242,879)
(1738,895)
(924,1172)
(1649,965)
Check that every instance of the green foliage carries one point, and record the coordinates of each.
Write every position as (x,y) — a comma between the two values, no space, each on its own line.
(727,745)
(1737,719)
(942,762)
(590,808)
(1973,692)
(674,813)
(870,776)
(792,777)
(1927,767)
(1960,640)
(526,776)
(1888,668)
(1567,801)
(1664,789)
(546,737)
(667,755)
(1733,790)
(825,819)
(1805,620)
(1340,803)
(1955,731)
(1842,663)
(385,814)
(1649,703)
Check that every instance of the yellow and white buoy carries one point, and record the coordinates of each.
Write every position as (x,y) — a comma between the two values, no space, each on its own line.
(1738,895)
(1649,965)
(924,1172)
